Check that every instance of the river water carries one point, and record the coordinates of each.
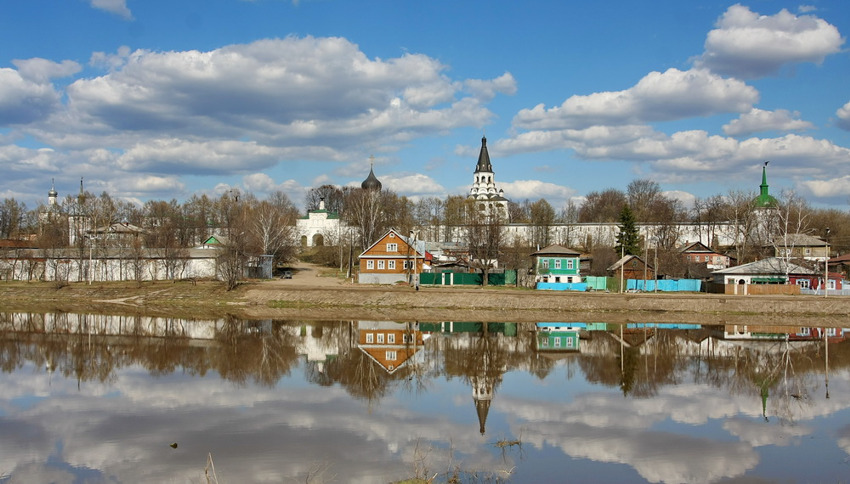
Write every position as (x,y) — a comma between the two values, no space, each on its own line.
(94,399)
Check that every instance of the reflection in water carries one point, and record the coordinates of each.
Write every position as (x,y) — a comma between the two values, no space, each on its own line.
(99,398)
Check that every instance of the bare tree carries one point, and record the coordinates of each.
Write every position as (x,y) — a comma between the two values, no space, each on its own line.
(542,217)
(333,196)
(485,231)
(273,228)
(12,218)
(741,214)
(53,240)
(232,256)
(602,206)
(708,215)
(642,196)
(427,217)
(454,217)
(364,210)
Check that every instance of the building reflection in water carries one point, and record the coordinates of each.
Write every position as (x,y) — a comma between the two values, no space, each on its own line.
(777,369)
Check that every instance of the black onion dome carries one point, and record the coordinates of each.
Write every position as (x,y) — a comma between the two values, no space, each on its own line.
(371,182)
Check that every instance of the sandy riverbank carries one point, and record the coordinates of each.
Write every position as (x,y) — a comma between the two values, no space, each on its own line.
(309,296)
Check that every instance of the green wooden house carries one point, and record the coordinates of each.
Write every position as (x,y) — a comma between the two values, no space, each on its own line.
(558,264)
(557,337)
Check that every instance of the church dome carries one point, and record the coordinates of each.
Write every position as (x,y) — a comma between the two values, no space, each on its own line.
(371,182)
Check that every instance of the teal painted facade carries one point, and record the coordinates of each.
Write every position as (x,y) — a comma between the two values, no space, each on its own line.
(552,268)
(557,341)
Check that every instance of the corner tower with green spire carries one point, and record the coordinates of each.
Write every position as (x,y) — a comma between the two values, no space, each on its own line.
(765,199)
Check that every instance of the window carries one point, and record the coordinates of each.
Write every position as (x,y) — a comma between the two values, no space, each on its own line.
(408,265)
(545,263)
(804,283)
(570,264)
(391,339)
(808,250)
(406,339)
(380,265)
(370,264)
(391,265)
(380,337)
(392,247)
(569,342)
(370,338)
(557,263)
(391,356)
(557,341)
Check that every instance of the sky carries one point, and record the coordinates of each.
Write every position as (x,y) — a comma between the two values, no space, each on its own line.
(151,99)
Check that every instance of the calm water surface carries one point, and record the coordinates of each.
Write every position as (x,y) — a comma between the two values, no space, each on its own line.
(120,399)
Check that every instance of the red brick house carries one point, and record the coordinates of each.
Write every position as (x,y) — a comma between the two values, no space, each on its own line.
(699,253)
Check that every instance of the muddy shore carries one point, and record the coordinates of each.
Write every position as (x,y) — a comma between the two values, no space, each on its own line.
(319,298)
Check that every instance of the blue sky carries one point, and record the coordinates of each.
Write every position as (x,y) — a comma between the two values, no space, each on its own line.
(161,99)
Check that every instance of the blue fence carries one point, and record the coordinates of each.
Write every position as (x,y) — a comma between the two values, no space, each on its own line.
(562,286)
(664,285)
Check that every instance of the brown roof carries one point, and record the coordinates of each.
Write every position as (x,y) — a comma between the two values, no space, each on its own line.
(555,249)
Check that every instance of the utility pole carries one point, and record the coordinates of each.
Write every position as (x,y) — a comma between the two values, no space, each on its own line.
(622,265)
(826,266)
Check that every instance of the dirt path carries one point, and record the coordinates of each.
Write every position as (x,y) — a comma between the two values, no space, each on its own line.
(304,274)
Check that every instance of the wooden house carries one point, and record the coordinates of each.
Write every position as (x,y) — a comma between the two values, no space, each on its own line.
(801,246)
(557,337)
(555,263)
(388,343)
(631,267)
(392,258)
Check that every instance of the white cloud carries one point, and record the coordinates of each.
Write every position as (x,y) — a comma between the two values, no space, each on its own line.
(23,100)
(757,434)
(173,155)
(666,96)
(487,89)
(412,184)
(118,7)
(748,45)
(687,199)
(147,185)
(519,190)
(834,187)
(110,61)
(262,183)
(42,70)
(843,114)
(759,120)
(281,90)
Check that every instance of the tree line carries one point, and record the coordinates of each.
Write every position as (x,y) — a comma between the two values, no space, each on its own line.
(267,226)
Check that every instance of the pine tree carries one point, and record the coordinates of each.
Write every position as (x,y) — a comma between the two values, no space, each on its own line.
(628,240)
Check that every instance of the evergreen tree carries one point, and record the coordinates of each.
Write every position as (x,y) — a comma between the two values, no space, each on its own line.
(628,240)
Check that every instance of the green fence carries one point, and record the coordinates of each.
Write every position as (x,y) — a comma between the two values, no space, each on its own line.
(467,278)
